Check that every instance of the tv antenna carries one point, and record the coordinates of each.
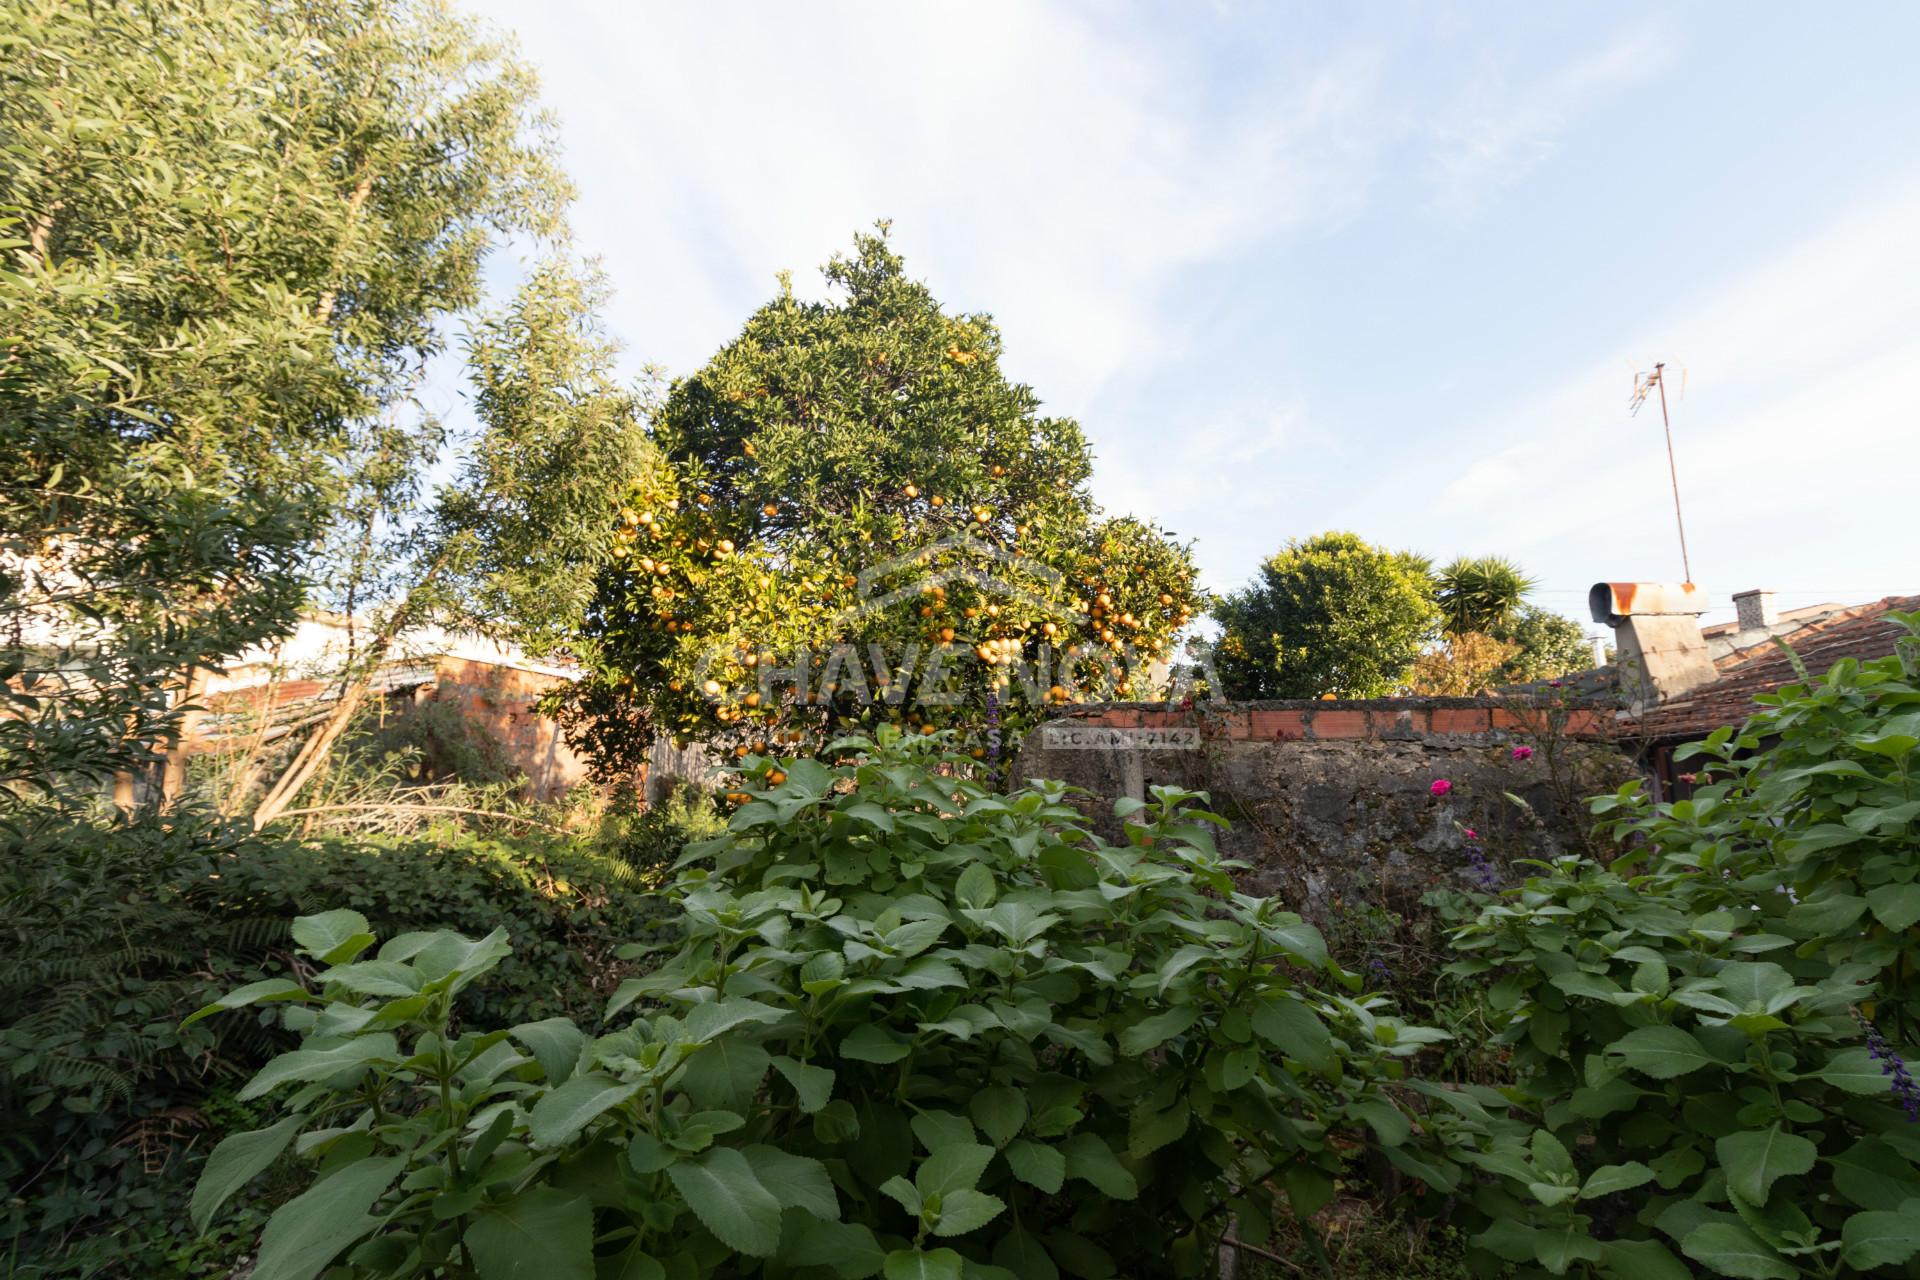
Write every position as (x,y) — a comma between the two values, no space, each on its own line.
(1644,384)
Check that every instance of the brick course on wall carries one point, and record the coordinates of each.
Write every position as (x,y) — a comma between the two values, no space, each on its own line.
(500,701)
(1333,800)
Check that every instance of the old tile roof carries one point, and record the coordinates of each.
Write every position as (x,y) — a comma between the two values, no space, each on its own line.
(1862,632)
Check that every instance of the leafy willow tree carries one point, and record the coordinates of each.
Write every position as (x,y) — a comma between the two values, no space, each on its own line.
(233,232)
(1328,615)
(859,472)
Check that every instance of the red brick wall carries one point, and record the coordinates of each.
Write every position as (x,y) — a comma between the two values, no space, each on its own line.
(499,701)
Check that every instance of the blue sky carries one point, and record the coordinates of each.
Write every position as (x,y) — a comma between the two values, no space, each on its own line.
(1387,268)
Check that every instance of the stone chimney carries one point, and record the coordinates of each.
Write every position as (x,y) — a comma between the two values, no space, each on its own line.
(1656,630)
(1757,611)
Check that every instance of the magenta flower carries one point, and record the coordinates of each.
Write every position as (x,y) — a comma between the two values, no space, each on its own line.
(1471,833)
(1440,787)
(1523,753)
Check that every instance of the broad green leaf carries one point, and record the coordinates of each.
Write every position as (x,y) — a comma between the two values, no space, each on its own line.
(937,1129)
(318,1064)
(705,1021)
(1896,906)
(309,1231)
(1093,1161)
(797,1182)
(976,886)
(912,1264)
(1387,1121)
(813,1085)
(332,937)
(964,1211)
(632,1264)
(847,1247)
(1153,1031)
(253,993)
(1000,1111)
(1641,1260)
(1296,1031)
(1754,1159)
(952,1168)
(1608,1179)
(870,1042)
(1661,1052)
(1854,1070)
(543,1233)
(1298,939)
(234,1163)
(721,1189)
(1559,1246)
(1875,1176)
(727,1073)
(1037,1165)
(1149,1130)
(387,978)
(1732,1250)
(560,1116)
(555,1043)
(1879,1238)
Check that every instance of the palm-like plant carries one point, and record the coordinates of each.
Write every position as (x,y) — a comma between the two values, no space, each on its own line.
(1481,593)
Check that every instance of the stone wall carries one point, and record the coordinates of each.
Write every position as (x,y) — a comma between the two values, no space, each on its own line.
(1332,800)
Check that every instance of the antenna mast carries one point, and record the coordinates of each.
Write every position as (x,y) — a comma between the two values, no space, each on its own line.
(1642,385)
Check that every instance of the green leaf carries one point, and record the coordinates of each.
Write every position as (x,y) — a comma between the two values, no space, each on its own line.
(813,1085)
(1753,1160)
(1641,1260)
(252,993)
(797,1182)
(1296,1031)
(332,937)
(234,1163)
(870,1042)
(1154,1031)
(724,1194)
(1879,1238)
(952,1168)
(912,1264)
(1612,1178)
(1661,1052)
(1896,906)
(1386,1120)
(705,1021)
(727,1073)
(1037,1165)
(309,1231)
(543,1233)
(1092,1160)
(634,1264)
(555,1043)
(848,1247)
(1000,1111)
(387,978)
(1560,1245)
(1732,1250)
(1149,1130)
(1874,1176)
(1854,1070)
(976,886)
(964,1211)
(318,1064)
(560,1116)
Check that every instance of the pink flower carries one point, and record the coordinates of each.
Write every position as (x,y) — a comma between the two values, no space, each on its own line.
(1471,833)
(1440,787)
(1523,753)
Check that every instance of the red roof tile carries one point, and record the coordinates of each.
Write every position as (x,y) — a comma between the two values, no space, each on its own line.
(1861,632)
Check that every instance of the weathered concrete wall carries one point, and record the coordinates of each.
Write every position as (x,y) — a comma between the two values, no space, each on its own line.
(1335,798)
(500,701)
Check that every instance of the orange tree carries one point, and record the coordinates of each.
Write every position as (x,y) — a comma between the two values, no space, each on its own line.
(854,516)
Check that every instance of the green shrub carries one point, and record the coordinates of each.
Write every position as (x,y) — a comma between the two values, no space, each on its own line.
(651,839)
(1710,1028)
(112,932)
(913,1027)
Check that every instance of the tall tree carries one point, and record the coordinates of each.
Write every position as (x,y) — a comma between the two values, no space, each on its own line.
(1330,614)
(859,472)
(515,541)
(234,230)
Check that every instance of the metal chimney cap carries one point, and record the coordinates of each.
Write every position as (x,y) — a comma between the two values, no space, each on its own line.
(1614,602)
